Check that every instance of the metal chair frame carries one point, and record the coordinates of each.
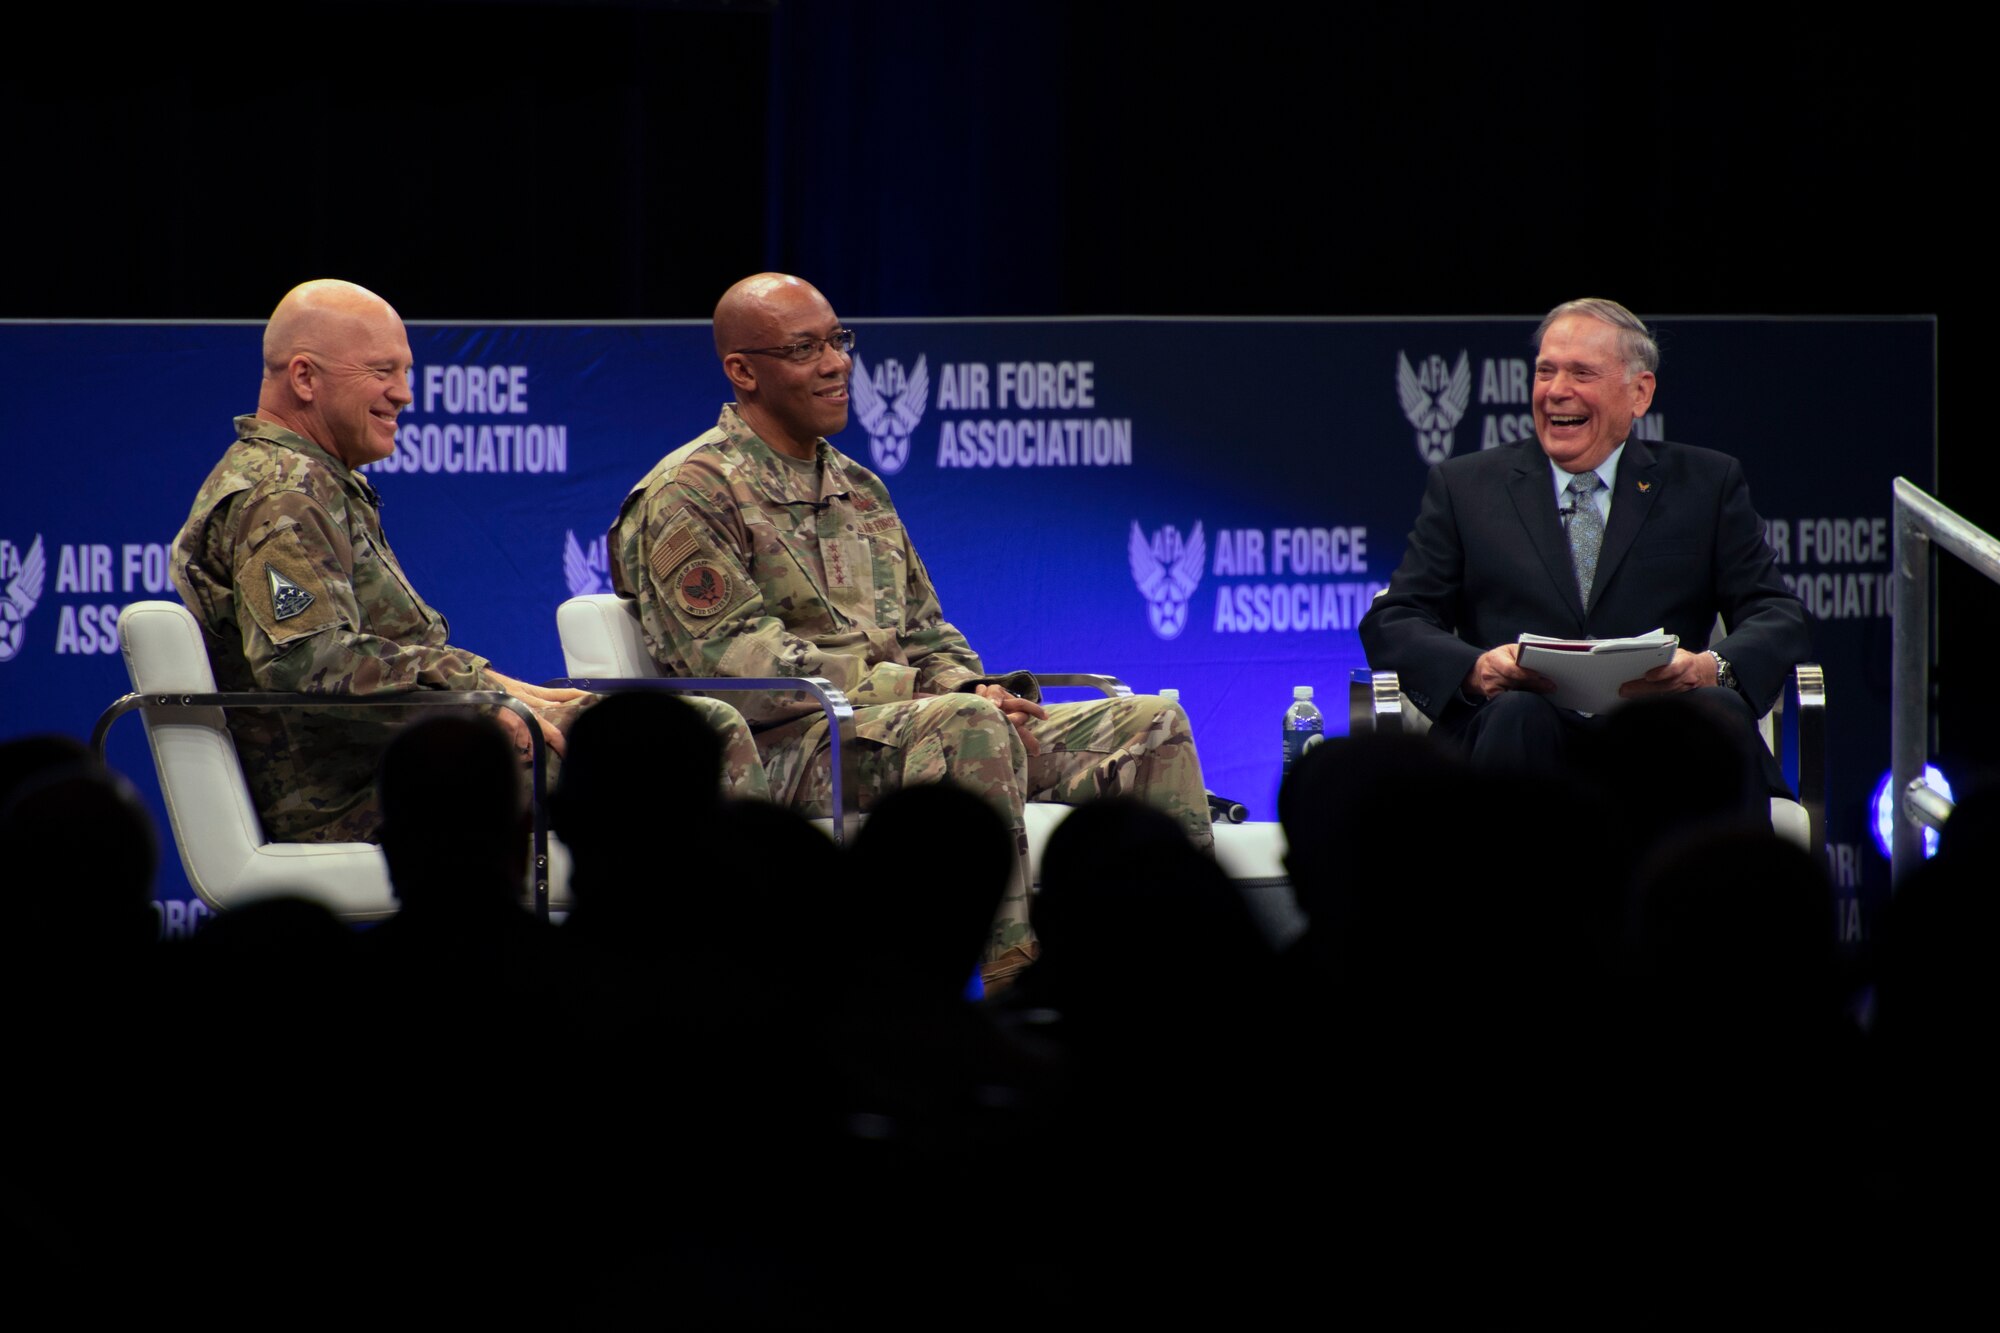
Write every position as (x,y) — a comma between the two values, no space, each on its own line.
(161,708)
(1376,703)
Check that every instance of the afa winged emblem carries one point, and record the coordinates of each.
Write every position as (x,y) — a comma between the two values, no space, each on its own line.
(890,421)
(1167,571)
(24,576)
(588,571)
(1434,401)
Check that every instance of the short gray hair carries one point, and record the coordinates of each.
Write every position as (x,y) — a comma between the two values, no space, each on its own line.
(1635,340)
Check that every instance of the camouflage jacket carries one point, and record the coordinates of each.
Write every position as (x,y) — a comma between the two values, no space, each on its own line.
(739,572)
(284,563)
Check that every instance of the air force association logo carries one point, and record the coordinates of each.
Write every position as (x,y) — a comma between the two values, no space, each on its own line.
(589,571)
(1167,571)
(891,404)
(1433,401)
(23,575)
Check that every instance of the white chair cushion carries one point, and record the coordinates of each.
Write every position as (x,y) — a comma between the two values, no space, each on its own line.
(214,824)
(601,639)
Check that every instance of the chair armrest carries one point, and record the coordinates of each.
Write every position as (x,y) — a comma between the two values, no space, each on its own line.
(1809,726)
(1109,686)
(833,704)
(1375,704)
(226,700)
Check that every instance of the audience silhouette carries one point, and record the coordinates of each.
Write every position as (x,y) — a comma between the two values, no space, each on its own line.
(743,1085)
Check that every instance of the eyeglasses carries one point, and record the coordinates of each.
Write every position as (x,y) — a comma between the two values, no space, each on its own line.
(812,349)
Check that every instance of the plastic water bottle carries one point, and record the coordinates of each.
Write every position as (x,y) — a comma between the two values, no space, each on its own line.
(1304,727)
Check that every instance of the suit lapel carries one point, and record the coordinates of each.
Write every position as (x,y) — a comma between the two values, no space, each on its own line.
(1533,490)
(1638,487)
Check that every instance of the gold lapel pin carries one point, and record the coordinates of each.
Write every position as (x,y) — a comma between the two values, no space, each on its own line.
(1645,485)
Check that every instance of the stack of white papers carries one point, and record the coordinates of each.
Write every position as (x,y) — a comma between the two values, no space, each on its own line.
(1588,672)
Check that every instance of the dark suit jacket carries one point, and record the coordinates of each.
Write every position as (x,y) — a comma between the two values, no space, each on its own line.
(1488,561)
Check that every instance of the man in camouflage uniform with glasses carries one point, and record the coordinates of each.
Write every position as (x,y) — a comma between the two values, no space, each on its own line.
(757,549)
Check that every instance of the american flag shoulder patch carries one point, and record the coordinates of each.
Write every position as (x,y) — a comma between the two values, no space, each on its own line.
(676,545)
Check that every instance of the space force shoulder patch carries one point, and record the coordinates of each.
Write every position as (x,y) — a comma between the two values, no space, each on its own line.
(288,599)
(281,587)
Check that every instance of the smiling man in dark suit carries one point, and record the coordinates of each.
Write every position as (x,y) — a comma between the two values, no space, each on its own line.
(1594,534)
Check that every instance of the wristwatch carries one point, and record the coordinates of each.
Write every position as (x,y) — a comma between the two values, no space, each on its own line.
(1724,677)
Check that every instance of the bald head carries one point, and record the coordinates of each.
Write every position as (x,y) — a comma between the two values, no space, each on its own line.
(312,313)
(336,369)
(791,399)
(752,313)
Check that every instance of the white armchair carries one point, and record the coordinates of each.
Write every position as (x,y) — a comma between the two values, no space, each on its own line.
(215,825)
(1376,704)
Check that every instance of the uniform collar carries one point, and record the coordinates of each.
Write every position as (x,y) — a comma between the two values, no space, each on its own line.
(256,428)
(834,479)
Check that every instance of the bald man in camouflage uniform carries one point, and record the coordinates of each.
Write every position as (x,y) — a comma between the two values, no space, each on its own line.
(760,550)
(284,562)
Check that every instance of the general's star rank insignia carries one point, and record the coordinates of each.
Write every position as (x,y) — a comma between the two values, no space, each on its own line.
(288,599)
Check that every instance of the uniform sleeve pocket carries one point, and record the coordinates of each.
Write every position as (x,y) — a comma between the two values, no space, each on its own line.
(282,589)
(700,587)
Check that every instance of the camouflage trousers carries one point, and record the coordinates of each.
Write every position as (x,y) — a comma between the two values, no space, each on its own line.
(335,801)
(742,764)
(1138,746)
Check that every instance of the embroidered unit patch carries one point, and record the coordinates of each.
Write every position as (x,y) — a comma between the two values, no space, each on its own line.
(288,599)
(701,586)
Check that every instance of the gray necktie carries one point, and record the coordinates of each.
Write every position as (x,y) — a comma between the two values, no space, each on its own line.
(1586,531)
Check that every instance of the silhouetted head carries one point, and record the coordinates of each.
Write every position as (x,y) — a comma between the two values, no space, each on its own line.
(640,784)
(1675,764)
(454,816)
(926,876)
(1123,893)
(1360,807)
(28,757)
(83,851)
(1735,928)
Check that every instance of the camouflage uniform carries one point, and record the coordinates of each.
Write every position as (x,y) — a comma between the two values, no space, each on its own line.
(741,570)
(284,562)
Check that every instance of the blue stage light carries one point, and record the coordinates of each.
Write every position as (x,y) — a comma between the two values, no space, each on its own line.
(1883,825)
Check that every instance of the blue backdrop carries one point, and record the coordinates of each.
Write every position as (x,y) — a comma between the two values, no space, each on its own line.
(1268,466)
